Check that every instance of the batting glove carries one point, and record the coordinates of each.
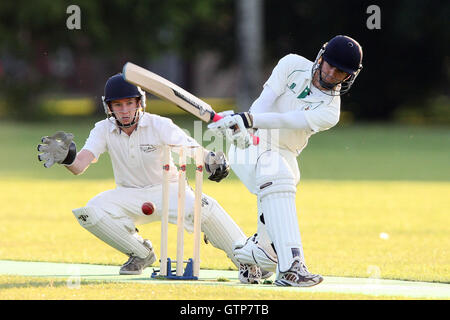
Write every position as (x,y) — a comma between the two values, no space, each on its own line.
(234,127)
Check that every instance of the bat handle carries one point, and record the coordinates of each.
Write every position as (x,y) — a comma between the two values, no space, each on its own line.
(255,139)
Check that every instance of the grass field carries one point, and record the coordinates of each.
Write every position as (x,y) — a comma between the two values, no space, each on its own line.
(23,288)
(373,202)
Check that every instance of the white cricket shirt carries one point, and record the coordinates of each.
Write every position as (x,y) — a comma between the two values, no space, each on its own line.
(137,159)
(291,82)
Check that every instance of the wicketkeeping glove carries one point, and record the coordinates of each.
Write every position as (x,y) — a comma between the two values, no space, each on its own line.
(216,164)
(58,148)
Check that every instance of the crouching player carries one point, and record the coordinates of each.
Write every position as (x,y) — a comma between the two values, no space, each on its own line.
(133,139)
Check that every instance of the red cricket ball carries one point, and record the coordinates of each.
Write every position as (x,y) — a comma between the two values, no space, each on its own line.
(148,208)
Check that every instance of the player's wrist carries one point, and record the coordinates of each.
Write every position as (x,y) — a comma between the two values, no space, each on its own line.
(247,118)
(71,155)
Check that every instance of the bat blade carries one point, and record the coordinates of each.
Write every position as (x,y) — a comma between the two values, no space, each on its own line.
(164,89)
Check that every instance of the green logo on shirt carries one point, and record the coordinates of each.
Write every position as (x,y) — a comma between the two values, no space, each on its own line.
(292,86)
(304,93)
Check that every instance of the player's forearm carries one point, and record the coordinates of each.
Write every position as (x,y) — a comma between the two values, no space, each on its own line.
(76,167)
(82,161)
(289,120)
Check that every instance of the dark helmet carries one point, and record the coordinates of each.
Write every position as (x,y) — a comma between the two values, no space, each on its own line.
(117,88)
(345,54)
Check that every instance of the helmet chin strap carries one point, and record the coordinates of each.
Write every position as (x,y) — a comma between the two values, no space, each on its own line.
(132,123)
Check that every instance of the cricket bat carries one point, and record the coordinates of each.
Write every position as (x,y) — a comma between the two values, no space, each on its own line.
(164,89)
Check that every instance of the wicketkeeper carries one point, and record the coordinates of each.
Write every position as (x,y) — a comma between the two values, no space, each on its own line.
(134,139)
(299,99)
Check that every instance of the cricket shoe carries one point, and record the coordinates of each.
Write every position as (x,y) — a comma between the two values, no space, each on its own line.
(266,274)
(135,265)
(298,276)
(249,273)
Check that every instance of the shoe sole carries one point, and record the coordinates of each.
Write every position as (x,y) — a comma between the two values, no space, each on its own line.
(283,283)
(135,273)
(130,273)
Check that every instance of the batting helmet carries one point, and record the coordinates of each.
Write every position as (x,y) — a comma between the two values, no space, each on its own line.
(117,88)
(345,54)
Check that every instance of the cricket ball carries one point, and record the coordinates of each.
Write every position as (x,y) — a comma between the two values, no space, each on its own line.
(148,208)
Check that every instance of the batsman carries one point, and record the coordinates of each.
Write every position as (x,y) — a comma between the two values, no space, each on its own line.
(299,99)
(134,139)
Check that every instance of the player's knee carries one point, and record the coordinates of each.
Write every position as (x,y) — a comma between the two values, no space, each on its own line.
(275,184)
(119,233)
(91,215)
(88,216)
(273,175)
(208,207)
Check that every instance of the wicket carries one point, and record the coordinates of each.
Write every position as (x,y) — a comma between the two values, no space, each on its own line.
(193,265)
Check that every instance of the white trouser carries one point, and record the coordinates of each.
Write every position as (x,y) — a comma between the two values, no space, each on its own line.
(272,175)
(127,202)
(243,163)
(123,206)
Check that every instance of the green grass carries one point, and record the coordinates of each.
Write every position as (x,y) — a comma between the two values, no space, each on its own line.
(340,231)
(359,152)
(379,152)
(357,182)
(24,288)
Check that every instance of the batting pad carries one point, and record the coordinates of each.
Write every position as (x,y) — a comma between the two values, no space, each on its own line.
(219,227)
(258,248)
(118,233)
(280,217)
(262,237)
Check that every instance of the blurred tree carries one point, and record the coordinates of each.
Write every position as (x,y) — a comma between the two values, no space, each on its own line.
(250,48)
(33,34)
(405,62)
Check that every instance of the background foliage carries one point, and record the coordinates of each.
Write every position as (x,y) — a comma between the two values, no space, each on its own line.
(406,62)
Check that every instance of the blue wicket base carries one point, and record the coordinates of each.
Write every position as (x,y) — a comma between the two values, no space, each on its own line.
(188,273)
